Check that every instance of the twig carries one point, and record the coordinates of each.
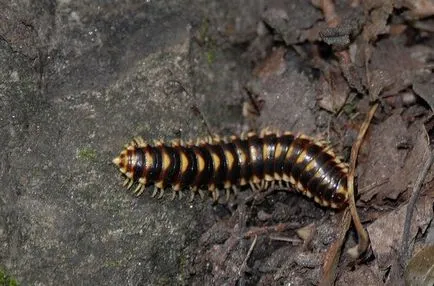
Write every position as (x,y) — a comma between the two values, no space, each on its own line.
(332,19)
(252,246)
(363,244)
(294,241)
(332,255)
(202,118)
(374,185)
(405,244)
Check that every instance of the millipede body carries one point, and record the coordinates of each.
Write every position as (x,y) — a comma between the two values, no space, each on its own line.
(259,160)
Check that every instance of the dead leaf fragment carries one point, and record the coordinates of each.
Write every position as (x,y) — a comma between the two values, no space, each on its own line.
(377,22)
(420,269)
(424,87)
(291,18)
(385,162)
(418,8)
(274,64)
(334,90)
(386,232)
(394,67)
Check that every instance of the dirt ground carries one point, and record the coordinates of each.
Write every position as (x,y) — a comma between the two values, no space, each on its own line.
(79,79)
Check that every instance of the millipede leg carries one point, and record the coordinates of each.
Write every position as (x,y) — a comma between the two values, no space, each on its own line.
(215,195)
(173,195)
(235,190)
(154,193)
(161,193)
(127,180)
(259,187)
(139,189)
(201,194)
(228,195)
(191,196)
(253,186)
(139,142)
(136,189)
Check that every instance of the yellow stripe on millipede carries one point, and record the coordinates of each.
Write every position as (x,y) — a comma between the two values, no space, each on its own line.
(183,162)
(216,161)
(166,161)
(229,160)
(149,161)
(200,163)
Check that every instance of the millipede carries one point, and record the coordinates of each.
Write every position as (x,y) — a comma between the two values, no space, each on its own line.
(262,160)
(259,160)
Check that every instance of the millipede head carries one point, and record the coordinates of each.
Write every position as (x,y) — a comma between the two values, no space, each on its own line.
(121,162)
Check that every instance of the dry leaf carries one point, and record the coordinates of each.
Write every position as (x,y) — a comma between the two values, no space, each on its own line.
(420,269)
(386,232)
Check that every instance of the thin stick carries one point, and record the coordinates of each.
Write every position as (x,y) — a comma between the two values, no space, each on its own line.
(295,241)
(252,246)
(405,245)
(332,255)
(363,244)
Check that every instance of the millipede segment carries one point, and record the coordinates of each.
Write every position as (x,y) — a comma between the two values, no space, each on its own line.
(309,166)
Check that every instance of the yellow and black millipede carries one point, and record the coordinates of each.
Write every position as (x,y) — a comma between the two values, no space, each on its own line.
(310,167)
